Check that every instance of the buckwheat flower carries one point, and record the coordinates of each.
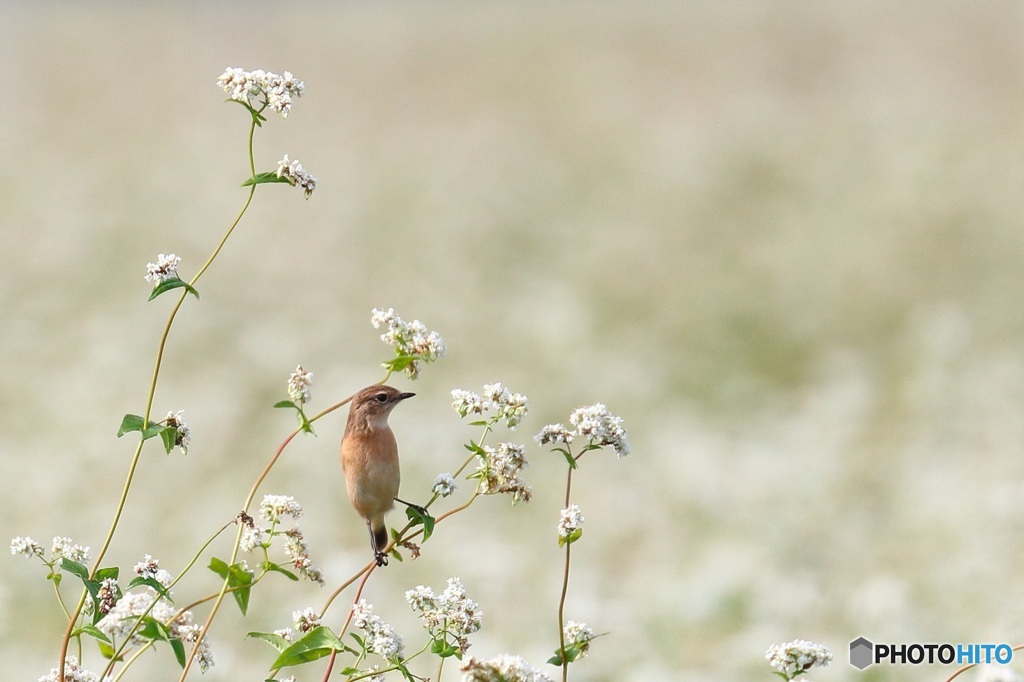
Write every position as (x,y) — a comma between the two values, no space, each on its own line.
(299,384)
(107,594)
(26,546)
(510,406)
(184,434)
(72,673)
(579,636)
(150,568)
(450,614)
(262,88)
(65,548)
(381,638)
(190,634)
(298,551)
(499,471)
(554,433)
(296,175)
(165,268)
(306,619)
(119,620)
(444,485)
(411,340)
(792,658)
(287,634)
(600,427)
(421,598)
(273,507)
(571,522)
(467,402)
(252,537)
(504,668)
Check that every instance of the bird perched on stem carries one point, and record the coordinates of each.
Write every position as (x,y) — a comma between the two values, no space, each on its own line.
(369,458)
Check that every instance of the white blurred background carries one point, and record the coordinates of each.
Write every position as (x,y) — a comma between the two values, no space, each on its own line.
(780,239)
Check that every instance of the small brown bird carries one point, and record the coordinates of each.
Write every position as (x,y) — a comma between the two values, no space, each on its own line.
(369,458)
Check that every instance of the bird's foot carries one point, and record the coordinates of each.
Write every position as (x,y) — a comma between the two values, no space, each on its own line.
(381,558)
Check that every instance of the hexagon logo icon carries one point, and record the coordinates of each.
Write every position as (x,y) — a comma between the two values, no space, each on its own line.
(861,653)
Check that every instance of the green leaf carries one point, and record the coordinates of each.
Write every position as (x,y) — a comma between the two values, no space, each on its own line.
(351,671)
(276,641)
(568,457)
(153,583)
(239,580)
(74,568)
(475,449)
(104,573)
(394,553)
(130,422)
(399,363)
(107,650)
(317,643)
(418,517)
(442,648)
(264,178)
(154,629)
(479,422)
(573,537)
(178,647)
(277,568)
(169,435)
(92,631)
(286,403)
(172,283)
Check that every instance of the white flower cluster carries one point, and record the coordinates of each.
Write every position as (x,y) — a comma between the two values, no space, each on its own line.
(444,485)
(184,434)
(595,424)
(295,174)
(72,672)
(273,507)
(276,92)
(298,551)
(65,548)
(299,384)
(305,620)
(123,617)
(571,521)
(381,638)
(579,636)
(165,268)
(499,471)
(450,613)
(792,658)
(507,405)
(150,568)
(600,427)
(409,339)
(504,668)
(26,546)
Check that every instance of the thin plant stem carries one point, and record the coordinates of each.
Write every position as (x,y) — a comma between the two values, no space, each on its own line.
(150,398)
(565,589)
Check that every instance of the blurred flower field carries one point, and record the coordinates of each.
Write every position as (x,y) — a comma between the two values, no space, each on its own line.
(780,240)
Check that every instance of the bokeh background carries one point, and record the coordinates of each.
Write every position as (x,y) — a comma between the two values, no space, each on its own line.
(781,239)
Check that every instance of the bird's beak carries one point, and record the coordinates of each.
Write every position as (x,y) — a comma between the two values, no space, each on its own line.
(403,396)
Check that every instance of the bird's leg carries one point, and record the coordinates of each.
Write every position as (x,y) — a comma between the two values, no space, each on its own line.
(421,510)
(380,557)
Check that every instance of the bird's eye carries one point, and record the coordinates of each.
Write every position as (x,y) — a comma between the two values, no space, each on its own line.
(381,397)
